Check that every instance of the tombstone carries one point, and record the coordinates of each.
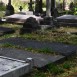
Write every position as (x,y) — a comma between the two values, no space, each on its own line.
(29,26)
(9,10)
(14,68)
(30,5)
(20,8)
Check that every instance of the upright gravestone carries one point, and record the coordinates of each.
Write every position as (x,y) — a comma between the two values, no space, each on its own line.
(9,9)
(29,25)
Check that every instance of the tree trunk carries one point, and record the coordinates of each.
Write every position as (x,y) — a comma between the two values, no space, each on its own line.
(40,6)
(48,8)
(64,4)
(52,6)
(9,2)
(37,6)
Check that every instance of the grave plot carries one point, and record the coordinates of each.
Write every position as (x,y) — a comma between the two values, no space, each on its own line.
(60,48)
(4,30)
(10,67)
(40,60)
(67,20)
(20,19)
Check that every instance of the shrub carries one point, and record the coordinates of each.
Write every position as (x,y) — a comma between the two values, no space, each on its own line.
(67,65)
(17,4)
(46,50)
(55,69)
(2,6)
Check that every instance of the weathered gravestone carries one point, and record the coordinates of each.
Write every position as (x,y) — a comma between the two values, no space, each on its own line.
(9,10)
(29,25)
(37,60)
(14,68)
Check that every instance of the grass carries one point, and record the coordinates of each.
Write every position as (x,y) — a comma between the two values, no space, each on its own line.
(30,49)
(55,70)
(54,35)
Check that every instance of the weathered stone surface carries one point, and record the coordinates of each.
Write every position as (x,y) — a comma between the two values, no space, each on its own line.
(40,60)
(4,30)
(60,48)
(47,20)
(20,19)
(9,10)
(10,67)
(30,25)
(67,20)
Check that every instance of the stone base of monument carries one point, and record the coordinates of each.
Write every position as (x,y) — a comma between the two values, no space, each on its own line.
(14,68)
(24,30)
(47,20)
(45,27)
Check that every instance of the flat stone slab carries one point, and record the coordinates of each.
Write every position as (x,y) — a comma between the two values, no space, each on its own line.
(10,67)
(40,60)
(4,30)
(67,20)
(20,19)
(60,48)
